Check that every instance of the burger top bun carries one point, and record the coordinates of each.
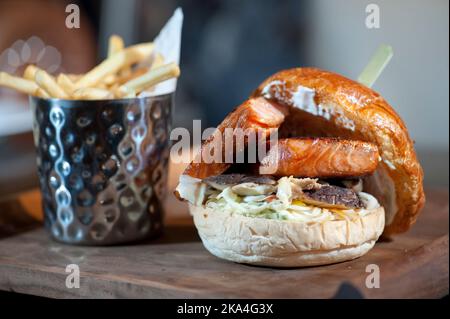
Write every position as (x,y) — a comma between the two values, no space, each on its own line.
(327,104)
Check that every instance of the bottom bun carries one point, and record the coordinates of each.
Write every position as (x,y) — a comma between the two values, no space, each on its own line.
(275,243)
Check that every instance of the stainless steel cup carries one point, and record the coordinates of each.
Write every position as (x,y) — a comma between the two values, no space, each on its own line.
(102,167)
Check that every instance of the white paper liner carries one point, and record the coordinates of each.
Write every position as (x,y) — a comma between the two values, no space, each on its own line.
(168,44)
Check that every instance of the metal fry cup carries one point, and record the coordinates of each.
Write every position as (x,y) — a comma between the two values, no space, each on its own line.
(102,167)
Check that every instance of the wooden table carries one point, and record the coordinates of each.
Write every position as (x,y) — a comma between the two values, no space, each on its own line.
(415,264)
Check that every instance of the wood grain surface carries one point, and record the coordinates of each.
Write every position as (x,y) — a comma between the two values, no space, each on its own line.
(412,265)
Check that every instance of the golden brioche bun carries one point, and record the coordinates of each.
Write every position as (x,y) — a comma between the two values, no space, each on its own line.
(327,104)
(274,243)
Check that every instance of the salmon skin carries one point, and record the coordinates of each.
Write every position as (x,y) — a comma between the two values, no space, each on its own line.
(256,114)
(320,158)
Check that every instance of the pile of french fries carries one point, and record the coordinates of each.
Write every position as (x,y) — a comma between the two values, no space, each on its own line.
(125,73)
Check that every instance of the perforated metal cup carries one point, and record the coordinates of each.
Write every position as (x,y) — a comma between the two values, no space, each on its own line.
(102,167)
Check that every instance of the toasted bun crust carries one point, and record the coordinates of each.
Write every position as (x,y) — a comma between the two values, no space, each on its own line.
(274,243)
(338,107)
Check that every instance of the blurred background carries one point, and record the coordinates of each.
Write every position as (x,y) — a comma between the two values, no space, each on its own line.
(228,48)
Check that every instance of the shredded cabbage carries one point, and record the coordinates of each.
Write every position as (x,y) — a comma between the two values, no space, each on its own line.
(279,203)
(281,206)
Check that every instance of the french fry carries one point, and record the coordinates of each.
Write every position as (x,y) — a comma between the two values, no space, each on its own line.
(125,73)
(74,77)
(152,78)
(92,94)
(121,77)
(102,86)
(114,87)
(109,80)
(65,83)
(115,45)
(130,94)
(112,65)
(128,76)
(18,84)
(158,60)
(49,85)
(41,93)
(30,72)
(122,92)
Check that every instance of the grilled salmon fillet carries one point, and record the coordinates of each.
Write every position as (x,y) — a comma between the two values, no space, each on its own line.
(256,114)
(321,158)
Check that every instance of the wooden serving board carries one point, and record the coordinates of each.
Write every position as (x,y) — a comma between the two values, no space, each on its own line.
(415,264)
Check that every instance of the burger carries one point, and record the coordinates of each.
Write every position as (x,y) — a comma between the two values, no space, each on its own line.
(342,172)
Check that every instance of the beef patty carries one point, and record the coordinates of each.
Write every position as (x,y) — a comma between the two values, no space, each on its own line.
(334,196)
